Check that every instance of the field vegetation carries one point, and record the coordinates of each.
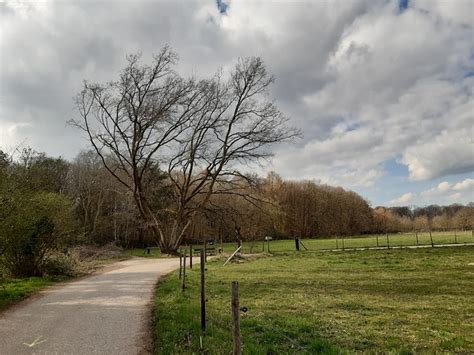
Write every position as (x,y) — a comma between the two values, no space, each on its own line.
(349,242)
(377,301)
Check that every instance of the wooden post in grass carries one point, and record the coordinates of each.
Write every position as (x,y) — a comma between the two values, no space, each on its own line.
(416,236)
(377,238)
(337,243)
(236,318)
(388,242)
(180,264)
(297,244)
(431,238)
(455,237)
(203,290)
(191,256)
(263,246)
(183,286)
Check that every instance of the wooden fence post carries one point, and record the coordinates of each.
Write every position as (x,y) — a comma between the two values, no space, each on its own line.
(388,242)
(431,238)
(337,243)
(377,238)
(183,286)
(297,244)
(203,290)
(236,318)
(416,235)
(455,237)
(191,256)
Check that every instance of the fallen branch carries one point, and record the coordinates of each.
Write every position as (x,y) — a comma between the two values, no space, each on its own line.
(233,254)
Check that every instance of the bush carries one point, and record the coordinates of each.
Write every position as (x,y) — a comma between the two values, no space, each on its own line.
(60,264)
(108,251)
(32,226)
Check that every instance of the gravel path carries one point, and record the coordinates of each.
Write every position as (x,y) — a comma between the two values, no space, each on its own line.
(106,313)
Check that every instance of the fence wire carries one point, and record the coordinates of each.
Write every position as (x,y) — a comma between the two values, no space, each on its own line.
(269,328)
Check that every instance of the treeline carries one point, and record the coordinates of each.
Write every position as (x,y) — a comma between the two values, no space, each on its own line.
(80,202)
(419,219)
(101,210)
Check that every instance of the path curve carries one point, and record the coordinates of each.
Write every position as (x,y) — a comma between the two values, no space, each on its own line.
(101,314)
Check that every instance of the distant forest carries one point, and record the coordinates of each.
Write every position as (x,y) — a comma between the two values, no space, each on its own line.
(80,202)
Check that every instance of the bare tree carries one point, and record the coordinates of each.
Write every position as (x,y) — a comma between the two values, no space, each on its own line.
(197,131)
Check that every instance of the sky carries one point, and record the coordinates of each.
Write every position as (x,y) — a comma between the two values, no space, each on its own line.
(382,90)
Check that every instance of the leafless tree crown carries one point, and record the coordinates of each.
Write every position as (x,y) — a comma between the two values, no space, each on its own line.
(196,130)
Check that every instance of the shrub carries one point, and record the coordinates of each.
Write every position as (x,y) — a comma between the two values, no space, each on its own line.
(60,264)
(32,225)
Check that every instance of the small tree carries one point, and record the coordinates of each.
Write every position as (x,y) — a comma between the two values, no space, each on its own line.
(464,218)
(197,131)
(32,226)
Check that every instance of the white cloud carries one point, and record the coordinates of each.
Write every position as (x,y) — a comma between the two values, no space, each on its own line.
(444,186)
(12,134)
(467,184)
(404,199)
(397,82)
(460,11)
(441,188)
(444,192)
(363,82)
(434,158)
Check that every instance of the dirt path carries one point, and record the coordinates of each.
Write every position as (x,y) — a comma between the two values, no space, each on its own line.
(101,314)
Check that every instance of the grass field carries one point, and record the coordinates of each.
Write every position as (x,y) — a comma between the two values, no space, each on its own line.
(363,241)
(401,239)
(386,301)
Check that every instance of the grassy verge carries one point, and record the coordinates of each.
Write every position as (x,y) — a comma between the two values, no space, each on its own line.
(15,290)
(398,301)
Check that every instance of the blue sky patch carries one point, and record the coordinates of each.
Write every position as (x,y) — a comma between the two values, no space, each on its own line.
(222,6)
(403,5)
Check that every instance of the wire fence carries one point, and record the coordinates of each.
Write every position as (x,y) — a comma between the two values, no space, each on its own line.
(226,322)
(415,239)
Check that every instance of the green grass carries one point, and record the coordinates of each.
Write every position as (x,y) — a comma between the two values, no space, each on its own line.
(385,301)
(276,246)
(15,290)
(401,239)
